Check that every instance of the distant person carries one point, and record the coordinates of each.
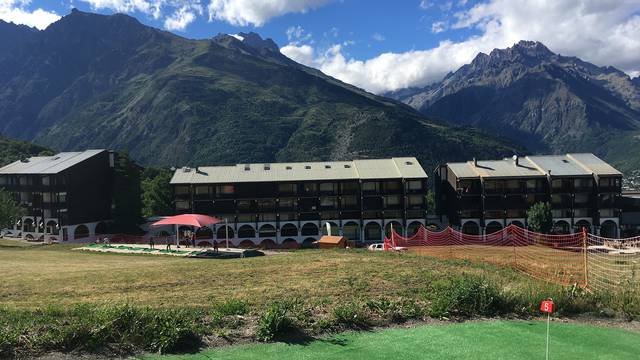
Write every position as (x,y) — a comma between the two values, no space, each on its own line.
(193,239)
(151,243)
(215,245)
(168,243)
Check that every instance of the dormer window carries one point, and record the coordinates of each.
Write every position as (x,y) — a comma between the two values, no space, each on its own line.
(408,163)
(247,168)
(327,166)
(308,167)
(347,166)
(267,167)
(289,168)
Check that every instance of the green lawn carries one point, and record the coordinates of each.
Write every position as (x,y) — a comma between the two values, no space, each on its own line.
(474,340)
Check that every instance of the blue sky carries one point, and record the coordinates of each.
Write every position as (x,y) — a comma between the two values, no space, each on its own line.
(383,45)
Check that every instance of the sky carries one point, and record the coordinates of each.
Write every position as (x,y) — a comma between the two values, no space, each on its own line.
(383,45)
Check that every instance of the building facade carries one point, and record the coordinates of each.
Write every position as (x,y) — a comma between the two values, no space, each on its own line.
(292,203)
(67,196)
(481,197)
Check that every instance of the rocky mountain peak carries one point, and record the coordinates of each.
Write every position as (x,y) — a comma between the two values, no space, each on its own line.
(257,42)
(249,40)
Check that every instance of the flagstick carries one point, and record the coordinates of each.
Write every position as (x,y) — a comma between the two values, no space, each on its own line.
(548,319)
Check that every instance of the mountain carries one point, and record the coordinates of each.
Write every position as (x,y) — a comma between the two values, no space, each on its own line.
(12,150)
(547,102)
(92,81)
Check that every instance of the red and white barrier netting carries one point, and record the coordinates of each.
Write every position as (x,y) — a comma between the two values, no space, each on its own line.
(587,260)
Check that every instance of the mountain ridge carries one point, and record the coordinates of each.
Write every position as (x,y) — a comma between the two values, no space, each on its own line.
(108,81)
(546,101)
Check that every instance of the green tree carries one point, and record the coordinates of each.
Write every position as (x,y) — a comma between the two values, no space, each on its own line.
(431,203)
(156,192)
(540,218)
(127,205)
(9,210)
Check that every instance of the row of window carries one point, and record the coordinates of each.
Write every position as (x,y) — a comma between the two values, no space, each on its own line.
(535,185)
(521,213)
(295,188)
(32,180)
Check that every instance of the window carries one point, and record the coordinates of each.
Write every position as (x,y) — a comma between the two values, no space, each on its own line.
(245,205)
(46,198)
(327,166)
(62,197)
(492,185)
(45,181)
(531,184)
(392,200)
(183,205)
(556,184)
(308,167)
(370,186)
(328,187)
(267,167)
(349,187)
(392,185)
(266,204)
(182,190)
(310,187)
(415,200)
(225,189)
(349,201)
(328,202)
(583,183)
(513,184)
(414,185)
(607,213)
(556,199)
(3,180)
(582,199)
(347,166)
(288,203)
(22,180)
(288,168)
(287,188)
(202,190)
(581,213)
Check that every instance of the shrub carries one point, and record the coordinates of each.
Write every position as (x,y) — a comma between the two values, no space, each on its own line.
(350,315)
(394,310)
(227,313)
(274,322)
(231,307)
(466,296)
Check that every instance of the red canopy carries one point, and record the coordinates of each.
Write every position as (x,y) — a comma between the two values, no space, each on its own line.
(196,220)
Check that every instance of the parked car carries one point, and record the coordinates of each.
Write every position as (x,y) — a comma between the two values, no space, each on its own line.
(380,247)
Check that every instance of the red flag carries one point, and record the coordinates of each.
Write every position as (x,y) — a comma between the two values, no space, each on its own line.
(546,306)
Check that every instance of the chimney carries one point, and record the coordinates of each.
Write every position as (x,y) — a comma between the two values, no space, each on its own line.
(475,162)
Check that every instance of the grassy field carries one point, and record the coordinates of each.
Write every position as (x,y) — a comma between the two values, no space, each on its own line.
(476,340)
(56,275)
(56,298)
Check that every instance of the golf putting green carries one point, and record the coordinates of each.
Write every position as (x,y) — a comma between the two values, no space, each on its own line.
(472,340)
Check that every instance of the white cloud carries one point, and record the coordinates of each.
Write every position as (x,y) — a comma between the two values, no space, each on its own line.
(258,12)
(425,4)
(182,12)
(438,27)
(16,11)
(378,37)
(602,32)
(180,19)
(297,34)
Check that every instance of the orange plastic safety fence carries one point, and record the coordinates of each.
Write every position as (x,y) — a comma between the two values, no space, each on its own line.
(584,259)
